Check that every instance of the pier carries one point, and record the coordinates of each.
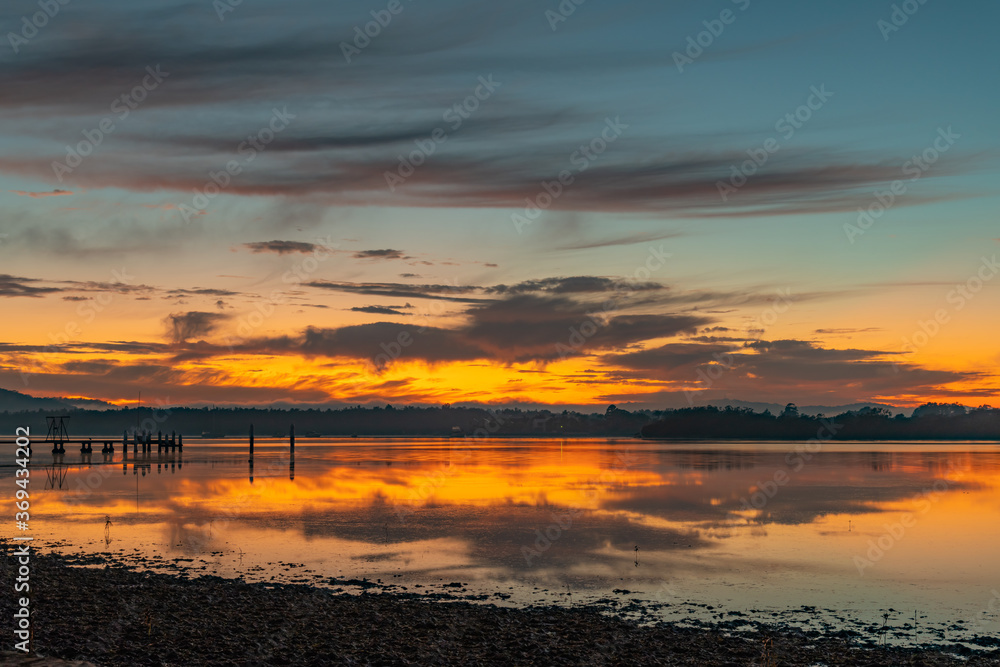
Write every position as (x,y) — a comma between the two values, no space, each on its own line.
(142,442)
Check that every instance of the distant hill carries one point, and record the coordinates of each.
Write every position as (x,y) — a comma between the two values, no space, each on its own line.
(89,403)
(811,410)
(14,401)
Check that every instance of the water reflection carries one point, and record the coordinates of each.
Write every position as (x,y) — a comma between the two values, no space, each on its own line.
(743,524)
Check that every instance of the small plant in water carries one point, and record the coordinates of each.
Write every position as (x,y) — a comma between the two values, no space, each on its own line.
(884,630)
(767,657)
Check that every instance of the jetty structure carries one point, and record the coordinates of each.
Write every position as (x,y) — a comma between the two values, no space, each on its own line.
(141,441)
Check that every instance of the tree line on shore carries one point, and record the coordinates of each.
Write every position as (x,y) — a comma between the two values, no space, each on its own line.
(932,421)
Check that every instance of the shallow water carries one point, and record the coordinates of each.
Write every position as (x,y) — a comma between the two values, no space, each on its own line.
(834,538)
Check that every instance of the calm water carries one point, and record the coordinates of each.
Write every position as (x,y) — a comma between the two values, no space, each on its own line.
(724,531)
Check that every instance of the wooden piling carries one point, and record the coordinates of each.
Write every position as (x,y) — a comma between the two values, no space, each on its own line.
(251,443)
(291,437)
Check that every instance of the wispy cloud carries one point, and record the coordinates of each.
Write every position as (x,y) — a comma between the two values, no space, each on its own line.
(380,310)
(39,195)
(183,326)
(280,247)
(387,253)
(17,286)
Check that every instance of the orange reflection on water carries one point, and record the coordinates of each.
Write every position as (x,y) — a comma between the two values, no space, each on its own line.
(737,523)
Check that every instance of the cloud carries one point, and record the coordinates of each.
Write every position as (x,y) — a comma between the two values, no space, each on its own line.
(647,237)
(768,369)
(570,285)
(544,328)
(39,195)
(182,326)
(502,154)
(202,291)
(108,231)
(380,254)
(17,286)
(822,181)
(379,343)
(402,291)
(806,352)
(575,284)
(280,247)
(838,332)
(379,310)
(665,360)
(717,339)
(516,329)
(94,367)
(34,287)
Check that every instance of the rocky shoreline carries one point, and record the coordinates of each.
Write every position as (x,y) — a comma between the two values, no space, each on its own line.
(113,615)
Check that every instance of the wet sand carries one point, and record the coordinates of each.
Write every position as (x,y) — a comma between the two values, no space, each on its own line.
(107,614)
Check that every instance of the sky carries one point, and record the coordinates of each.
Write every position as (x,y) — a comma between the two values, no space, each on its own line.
(522,203)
